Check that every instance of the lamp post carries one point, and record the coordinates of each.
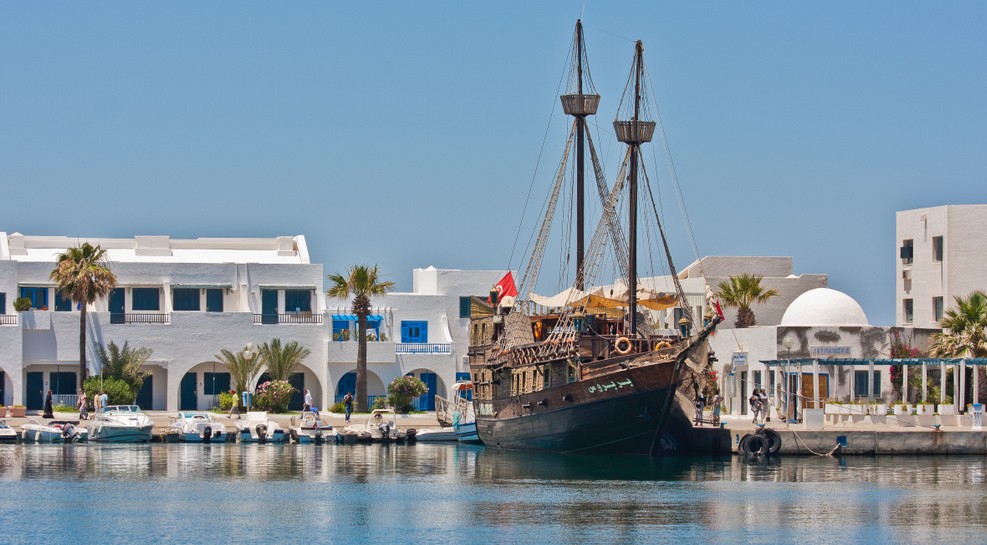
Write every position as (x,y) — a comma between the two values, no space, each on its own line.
(249,353)
(787,343)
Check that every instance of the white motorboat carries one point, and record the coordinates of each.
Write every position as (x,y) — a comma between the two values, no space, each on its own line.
(256,428)
(56,431)
(121,424)
(311,429)
(7,434)
(381,427)
(436,435)
(195,427)
(457,412)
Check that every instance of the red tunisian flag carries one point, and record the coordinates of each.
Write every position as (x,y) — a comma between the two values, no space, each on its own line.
(505,288)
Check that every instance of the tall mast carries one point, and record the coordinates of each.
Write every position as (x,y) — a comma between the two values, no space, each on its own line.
(579,105)
(633,133)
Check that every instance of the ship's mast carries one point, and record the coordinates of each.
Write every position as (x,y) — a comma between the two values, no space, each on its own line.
(633,133)
(579,105)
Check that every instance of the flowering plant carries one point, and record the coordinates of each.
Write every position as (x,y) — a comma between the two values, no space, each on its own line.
(273,396)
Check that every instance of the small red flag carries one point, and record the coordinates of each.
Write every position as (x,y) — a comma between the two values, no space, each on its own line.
(719,310)
(505,288)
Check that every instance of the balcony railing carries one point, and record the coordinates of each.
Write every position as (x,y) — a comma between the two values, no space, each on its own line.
(422,348)
(8,319)
(288,318)
(140,318)
(65,399)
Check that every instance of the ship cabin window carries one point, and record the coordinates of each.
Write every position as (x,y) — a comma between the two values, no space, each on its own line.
(572,371)
(546,372)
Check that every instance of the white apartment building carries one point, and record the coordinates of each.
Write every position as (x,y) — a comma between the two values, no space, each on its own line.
(940,255)
(186,299)
(424,333)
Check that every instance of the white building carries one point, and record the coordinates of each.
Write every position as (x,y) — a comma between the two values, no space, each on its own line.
(424,333)
(940,256)
(184,299)
(188,299)
(821,331)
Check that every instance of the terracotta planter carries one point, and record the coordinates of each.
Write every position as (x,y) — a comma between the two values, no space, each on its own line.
(16,412)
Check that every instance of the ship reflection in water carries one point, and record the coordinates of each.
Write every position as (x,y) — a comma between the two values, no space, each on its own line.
(412,493)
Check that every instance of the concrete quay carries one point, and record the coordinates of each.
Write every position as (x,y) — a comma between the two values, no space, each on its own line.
(854,439)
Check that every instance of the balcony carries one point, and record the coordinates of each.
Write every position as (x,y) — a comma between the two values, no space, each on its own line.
(423,348)
(288,318)
(8,319)
(140,318)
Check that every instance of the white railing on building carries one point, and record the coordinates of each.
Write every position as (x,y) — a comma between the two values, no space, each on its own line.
(8,319)
(423,348)
(69,400)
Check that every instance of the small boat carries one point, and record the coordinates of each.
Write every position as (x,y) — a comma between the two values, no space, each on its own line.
(194,427)
(381,427)
(436,435)
(121,424)
(7,434)
(256,428)
(56,431)
(457,412)
(312,429)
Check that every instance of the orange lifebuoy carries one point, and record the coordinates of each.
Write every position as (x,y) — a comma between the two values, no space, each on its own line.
(625,342)
(662,345)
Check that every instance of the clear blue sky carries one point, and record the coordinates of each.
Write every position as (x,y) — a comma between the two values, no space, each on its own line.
(406,134)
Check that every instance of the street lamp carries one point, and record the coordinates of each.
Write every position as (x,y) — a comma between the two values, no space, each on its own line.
(787,342)
(249,353)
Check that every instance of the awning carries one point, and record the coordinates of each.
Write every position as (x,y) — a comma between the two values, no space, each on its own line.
(354,317)
(875,361)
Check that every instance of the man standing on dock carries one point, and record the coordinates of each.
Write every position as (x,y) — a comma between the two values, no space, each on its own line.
(308,402)
(348,403)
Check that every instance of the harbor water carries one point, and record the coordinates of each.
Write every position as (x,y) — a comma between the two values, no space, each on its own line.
(182,493)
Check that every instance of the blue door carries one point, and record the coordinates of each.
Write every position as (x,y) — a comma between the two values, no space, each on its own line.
(430,380)
(269,306)
(3,396)
(3,310)
(35,398)
(297,400)
(145,394)
(187,400)
(347,384)
(118,305)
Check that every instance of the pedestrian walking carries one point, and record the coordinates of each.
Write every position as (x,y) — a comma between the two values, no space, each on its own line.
(48,407)
(717,402)
(755,403)
(234,407)
(765,406)
(348,403)
(104,401)
(97,402)
(83,410)
(308,402)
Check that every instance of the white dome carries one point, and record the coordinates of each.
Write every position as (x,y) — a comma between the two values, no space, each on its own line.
(823,306)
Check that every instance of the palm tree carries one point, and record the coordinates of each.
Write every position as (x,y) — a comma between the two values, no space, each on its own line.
(244,366)
(967,329)
(281,360)
(362,282)
(741,292)
(124,364)
(83,275)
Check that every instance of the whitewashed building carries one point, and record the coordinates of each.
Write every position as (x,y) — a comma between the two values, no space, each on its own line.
(183,299)
(424,333)
(940,255)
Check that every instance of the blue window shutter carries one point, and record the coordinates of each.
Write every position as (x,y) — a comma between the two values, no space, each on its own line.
(214,300)
(405,333)
(423,336)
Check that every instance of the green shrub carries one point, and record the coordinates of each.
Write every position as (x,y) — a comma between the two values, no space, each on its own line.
(379,403)
(225,400)
(402,391)
(338,408)
(63,408)
(21,304)
(117,391)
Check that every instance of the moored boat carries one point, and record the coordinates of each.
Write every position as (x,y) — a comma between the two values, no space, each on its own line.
(196,427)
(457,412)
(7,434)
(311,429)
(381,427)
(257,428)
(121,424)
(591,369)
(55,431)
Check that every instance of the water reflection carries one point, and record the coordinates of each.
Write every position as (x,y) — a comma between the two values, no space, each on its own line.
(411,492)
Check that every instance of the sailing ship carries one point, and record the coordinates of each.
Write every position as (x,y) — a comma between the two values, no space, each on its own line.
(593,373)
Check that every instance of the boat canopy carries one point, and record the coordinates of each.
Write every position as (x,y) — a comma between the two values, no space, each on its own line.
(606,298)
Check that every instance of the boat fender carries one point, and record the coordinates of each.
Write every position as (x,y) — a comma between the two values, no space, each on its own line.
(261,430)
(773,440)
(622,346)
(662,345)
(206,434)
(755,445)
